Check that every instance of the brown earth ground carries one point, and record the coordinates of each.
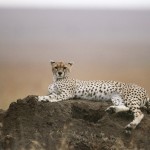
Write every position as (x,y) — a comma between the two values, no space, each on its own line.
(69,125)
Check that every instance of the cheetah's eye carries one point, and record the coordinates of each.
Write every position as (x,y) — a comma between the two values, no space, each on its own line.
(65,67)
(56,67)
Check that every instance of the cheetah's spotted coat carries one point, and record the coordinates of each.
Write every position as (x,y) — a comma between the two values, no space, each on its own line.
(124,96)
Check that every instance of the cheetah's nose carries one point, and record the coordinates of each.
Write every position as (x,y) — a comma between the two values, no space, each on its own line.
(60,73)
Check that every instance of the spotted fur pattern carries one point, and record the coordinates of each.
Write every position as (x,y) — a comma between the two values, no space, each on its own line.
(124,96)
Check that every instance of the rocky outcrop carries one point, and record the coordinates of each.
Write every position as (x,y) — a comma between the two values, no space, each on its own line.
(69,125)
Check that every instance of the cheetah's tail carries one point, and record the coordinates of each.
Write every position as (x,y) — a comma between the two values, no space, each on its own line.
(148,104)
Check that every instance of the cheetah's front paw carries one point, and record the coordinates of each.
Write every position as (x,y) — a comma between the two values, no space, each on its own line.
(111,110)
(47,99)
(43,98)
(129,128)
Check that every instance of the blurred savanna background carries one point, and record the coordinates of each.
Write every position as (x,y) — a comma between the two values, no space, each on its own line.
(106,41)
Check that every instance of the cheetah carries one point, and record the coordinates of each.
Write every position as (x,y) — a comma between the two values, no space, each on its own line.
(124,96)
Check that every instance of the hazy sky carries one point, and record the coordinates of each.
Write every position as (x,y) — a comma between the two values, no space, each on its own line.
(133,4)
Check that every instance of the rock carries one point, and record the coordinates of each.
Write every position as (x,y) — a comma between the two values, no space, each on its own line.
(69,125)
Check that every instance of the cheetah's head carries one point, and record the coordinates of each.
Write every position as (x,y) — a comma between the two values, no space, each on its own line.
(60,69)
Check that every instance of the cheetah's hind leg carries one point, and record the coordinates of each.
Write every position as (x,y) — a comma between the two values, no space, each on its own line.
(138,116)
(116,109)
(118,105)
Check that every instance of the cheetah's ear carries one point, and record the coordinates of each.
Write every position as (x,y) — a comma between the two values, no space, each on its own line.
(52,62)
(70,63)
